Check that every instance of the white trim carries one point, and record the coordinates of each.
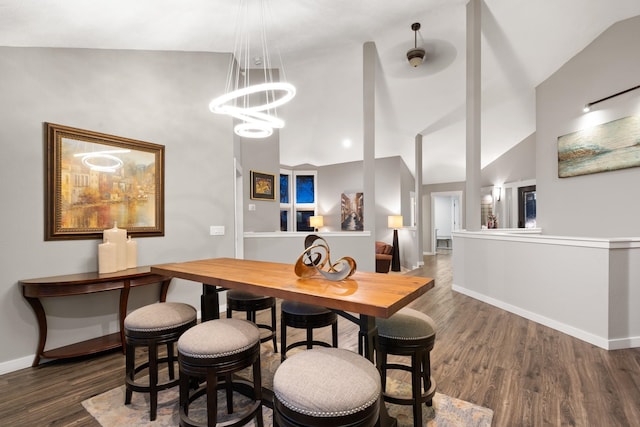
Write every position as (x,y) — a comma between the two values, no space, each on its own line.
(533,235)
(559,326)
(289,234)
(16,364)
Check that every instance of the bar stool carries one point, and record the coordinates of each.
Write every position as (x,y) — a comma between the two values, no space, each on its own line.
(309,317)
(219,348)
(250,303)
(151,326)
(326,387)
(408,333)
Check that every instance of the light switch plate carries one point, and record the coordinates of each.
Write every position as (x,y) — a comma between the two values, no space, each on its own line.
(216,230)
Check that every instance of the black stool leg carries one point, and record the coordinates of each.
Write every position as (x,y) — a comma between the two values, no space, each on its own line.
(283,340)
(416,385)
(426,374)
(184,384)
(334,334)
(153,380)
(257,389)
(212,400)
(170,359)
(273,326)
(381,362)
(130,370)
(229,388)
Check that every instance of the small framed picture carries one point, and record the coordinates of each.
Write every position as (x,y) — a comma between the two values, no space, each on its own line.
(263,186)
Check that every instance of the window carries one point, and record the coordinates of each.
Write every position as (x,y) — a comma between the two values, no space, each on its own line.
(284,219)
(305,189)
(298,197)
(302,220)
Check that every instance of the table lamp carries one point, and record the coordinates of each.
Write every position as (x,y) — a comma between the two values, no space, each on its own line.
(316,222)
(395,222)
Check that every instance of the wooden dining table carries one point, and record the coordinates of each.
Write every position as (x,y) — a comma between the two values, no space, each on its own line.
(360,298)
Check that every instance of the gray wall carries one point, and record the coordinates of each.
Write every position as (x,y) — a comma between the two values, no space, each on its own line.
(517,164)
(597,205)
(393,182)
(261,155)
(160,97)
(333,180)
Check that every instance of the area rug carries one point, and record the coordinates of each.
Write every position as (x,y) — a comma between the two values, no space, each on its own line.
(110,411)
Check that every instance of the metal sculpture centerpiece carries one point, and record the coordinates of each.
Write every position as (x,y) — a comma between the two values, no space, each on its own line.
(317,256)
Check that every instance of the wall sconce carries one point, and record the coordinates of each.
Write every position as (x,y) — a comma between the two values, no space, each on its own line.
(588,106)
(316,221)
(497,191)
(395,222)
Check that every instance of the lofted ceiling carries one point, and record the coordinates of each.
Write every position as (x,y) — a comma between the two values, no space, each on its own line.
(321,43)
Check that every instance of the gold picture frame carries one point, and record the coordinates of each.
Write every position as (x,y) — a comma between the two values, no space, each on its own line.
(263,186)
(94,181)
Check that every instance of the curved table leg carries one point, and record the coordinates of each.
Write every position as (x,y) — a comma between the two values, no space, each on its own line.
(42,327)
(124,302)
(122,313)
(164,288)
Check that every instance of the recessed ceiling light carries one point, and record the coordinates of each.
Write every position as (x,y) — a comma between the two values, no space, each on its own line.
(346,143)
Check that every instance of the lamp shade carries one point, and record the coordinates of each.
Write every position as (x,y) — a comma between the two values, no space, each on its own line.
(394,221)
(316,221)
(415,56)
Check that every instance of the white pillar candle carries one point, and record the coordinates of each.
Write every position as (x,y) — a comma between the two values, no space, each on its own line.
(118,236)
(132,253)
(107,258)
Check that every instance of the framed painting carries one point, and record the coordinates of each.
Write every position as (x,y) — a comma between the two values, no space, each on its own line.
(94,181)
(352,211)
(263,186)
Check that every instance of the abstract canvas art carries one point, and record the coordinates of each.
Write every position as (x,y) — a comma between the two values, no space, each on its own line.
(606,147)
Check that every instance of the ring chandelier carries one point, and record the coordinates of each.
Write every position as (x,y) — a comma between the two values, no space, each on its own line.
(254,104)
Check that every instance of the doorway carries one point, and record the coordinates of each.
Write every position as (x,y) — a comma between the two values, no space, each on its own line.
(527,207)
(445,218)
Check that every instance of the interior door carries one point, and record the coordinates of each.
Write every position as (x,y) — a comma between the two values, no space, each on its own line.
(527,207)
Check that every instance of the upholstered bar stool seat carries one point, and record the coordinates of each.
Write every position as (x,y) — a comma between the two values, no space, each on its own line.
(326,387)
(251,304)
(218,349)
(151,326)
(413,334)
(308,317)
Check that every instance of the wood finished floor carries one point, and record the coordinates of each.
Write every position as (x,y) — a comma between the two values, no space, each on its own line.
(528,374)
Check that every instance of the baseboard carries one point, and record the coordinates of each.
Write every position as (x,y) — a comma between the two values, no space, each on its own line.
(622,343)
(553,324)
(16,364)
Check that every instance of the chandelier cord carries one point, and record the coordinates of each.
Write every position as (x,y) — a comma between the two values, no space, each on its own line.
(255,104)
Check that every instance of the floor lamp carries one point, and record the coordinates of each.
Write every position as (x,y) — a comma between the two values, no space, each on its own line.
(395,222)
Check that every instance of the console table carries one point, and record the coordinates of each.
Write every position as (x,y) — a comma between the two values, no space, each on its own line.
(87,283)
